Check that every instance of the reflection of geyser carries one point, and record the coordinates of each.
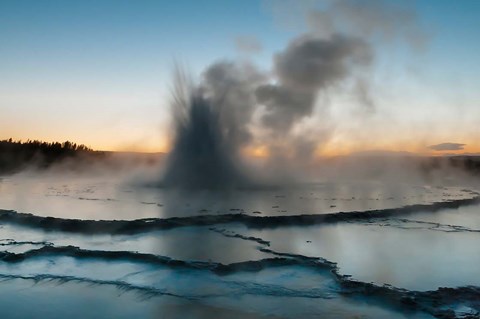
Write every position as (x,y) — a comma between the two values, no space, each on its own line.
(203,155)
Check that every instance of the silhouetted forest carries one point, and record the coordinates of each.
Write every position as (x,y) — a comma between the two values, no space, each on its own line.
(17,155)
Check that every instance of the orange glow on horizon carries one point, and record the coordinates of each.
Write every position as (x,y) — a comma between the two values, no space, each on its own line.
(155,144)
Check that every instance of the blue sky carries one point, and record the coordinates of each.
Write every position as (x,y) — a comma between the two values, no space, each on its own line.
(98,72)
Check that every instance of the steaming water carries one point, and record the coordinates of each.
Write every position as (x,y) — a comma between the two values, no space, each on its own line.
(236,269)
(111,199)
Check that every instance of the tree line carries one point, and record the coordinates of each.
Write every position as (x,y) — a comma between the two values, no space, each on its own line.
(16,154)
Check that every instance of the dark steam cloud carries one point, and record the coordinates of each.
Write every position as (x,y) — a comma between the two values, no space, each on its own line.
(310,63)
(447,147)
(308,66)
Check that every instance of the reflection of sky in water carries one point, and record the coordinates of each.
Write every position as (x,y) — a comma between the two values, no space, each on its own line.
(412,252)
(187,243)
(412,258)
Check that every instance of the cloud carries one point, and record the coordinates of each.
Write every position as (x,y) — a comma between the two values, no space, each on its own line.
(447,147)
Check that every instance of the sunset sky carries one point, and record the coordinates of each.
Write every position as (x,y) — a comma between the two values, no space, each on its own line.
(100,72)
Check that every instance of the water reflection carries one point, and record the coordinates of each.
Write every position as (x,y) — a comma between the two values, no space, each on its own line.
(415,259)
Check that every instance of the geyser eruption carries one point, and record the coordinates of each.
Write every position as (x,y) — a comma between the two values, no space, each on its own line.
(210,127)
(213,120)
(202,155)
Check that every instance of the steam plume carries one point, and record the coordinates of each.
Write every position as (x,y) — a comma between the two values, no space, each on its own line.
(218,117)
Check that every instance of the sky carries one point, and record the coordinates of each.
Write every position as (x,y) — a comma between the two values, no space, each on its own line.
(100,72)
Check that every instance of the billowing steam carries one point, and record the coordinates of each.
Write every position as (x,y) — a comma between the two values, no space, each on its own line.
(215,119)
(308,66)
